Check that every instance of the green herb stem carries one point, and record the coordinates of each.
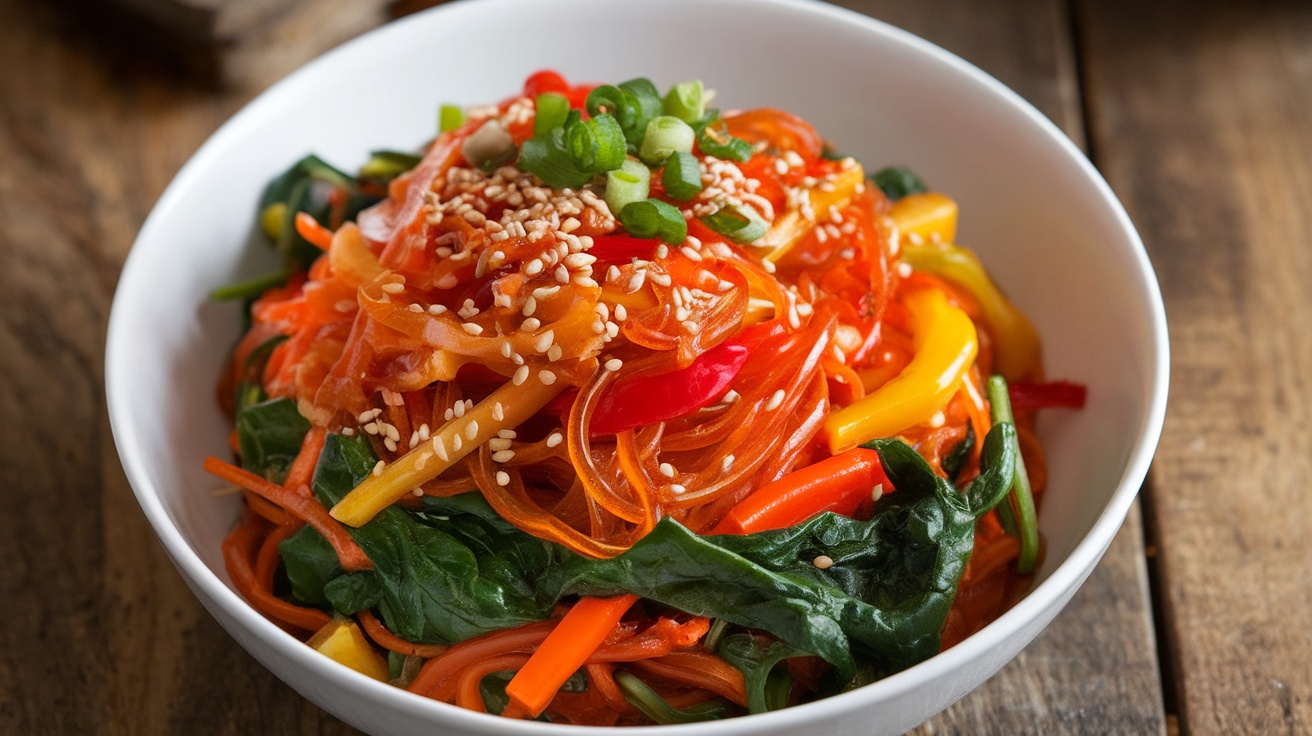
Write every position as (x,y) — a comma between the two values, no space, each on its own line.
(652,705)
(1022,493)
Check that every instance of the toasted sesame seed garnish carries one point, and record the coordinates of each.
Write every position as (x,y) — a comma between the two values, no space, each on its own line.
(498,411)
(677,489)
(347,305)
(662,251)
(530,324)
(691,327)
(691,254)
(543,342)
(503,456)
(533,267)
(436,308)
(731,396)
(726,463)
(393,287)
(378,468)
(562,274)
(472,328)
(348,431)
(662,279)
(530,306)
(507,434)
(555,352)
(417,492)
(724,286)
(877,492)
(554,439)
(823,562)
(506,348)
(521,375)
(613,273)
(546,377)
(614,364)
(570,225)
(621,313)
(456,443)
(636,281)
(598,327)
(496,444)
(667,470)
(471,429)
(371,428)
(458,410)
(776,399)
(938,420)
(503,478)
(768,266)
(390,444)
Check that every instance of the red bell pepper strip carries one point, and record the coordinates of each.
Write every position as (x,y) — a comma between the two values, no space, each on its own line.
(643,400)
(1048,395)
(621,248)
(840,484)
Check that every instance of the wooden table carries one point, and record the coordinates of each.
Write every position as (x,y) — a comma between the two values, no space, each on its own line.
(1197,621)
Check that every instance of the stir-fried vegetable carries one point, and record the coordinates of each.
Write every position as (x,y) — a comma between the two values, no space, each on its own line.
(607,408)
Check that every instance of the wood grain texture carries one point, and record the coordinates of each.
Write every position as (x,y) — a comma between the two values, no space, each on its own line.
(102,635)
(1202,117)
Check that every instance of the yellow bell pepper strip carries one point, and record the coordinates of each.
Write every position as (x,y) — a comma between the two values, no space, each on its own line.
(505,408)
(1016,342)
(790,227)
(343,641)
(928,216)
(946,344)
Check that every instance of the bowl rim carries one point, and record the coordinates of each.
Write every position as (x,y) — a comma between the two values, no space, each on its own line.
(1049,593)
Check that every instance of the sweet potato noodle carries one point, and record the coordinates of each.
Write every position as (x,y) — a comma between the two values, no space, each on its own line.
(541,401)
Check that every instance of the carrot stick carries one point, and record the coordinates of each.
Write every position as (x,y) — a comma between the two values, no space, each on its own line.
(237,548)
(839,483)
(302,506)
(565,650)
(269,511)
(302,470)
(391,642)
(267,559)
(438,671)
(310,229)
(659,639)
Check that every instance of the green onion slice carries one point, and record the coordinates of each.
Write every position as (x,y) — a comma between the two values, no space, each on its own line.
(551,111)
(450,117)
(652,218)
(686,101)
(682,177)
(665,135)
(387,165)
(631,182)
(737,224)
(716,141)
(1022,495)
(597,145)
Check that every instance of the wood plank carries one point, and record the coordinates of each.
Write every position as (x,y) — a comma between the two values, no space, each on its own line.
(1202,119)
(1095,669)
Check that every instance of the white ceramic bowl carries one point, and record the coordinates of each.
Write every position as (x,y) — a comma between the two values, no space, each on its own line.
(1040,216)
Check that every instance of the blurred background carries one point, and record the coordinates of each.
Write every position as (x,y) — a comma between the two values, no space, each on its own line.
(1199,114)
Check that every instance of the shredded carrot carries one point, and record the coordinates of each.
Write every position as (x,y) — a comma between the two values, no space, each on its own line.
(568,646)
(602,676)
(698,669)
(300,505)
(266,561)
(310,229)
(238,547)
(434,676)
(391,642)
(468,693)
(269,511)
(302,470)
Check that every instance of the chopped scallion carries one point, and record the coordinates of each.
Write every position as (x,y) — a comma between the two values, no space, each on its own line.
(597,145)
(652,218)
(631,182)
(387,165)
(450,117)
(552,109)
(736,224)
(715,140)
(686,101)
(645,101)
(665,135)
(682,177)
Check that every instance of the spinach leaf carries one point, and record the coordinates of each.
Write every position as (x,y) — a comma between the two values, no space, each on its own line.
(757,664)
(449,573)
(897,182)
(310,563)
(269,434)
(956,459)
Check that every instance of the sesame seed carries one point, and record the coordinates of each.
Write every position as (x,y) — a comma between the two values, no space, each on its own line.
(547,377)
(570,225)
(724,286)
(498,412)
(521,375)
(414,440)
(530,324)
(542,342)
(436,308)
(691,327)
(667,470)
(472,328)
(677,489)
(621,313)
(614,364)
(348,431)
(562,274)
(393,287)
(471,429)
(449,413)
(507,434)
(662,279)
(458,410)
(378,468)
(533,267)
(824,562)
(530,306)
(691,254)
(613,273)
(545,292)
(768,266)
(554,353)
(390,444)
(448,281)
(554,439)
(371,428)
(496,444)
(457,443)
(731,396)
(506,349)
(417,492)
(938,420)
(503,456)
(503,478)
(904,269)
(662,251)
(393,433)
(776,399)
(636,281)
(726,463)
(877,492)
(347,305)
